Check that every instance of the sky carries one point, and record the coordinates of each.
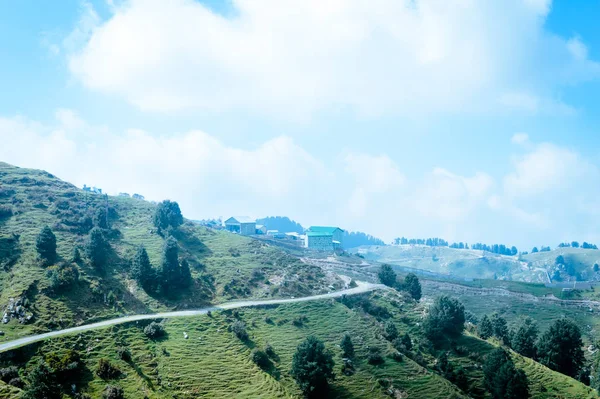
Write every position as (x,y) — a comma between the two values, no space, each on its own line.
(467,120)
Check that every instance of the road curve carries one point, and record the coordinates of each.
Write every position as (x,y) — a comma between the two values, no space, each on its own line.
(362,288)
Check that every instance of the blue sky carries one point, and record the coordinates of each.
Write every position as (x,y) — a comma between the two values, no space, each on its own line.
(468,120)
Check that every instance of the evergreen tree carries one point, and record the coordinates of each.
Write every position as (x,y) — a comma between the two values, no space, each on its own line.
(387,275)
(101,218)
(170,272)
(141,269)
(312,368)
(413,286)
(446,317)
(502,379)
(76,258)
(41,384)
(500,328)
(391,332)
(186,274)
(485,328)
(560,346)
(407,342)
(46,245)
(168,215)
(97,248)
(524,338)
(347,347)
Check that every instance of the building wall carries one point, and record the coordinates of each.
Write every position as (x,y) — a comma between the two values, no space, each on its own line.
(338,235)
(234,227)
(320,243)
(248,229)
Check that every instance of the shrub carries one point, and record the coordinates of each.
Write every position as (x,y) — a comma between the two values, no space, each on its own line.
(41,383)
(261,359)
(239,329)
(299,321)
(154,330)
(106,370)
(374,358)
(46,245)
(113,392)
(62,277)
(9,373)
(64,365)
(270,351)
(6,211)
(124,354)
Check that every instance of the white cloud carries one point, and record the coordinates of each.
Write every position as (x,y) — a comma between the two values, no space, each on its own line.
(548,196)
(577,48)
(520,138)
(385,57)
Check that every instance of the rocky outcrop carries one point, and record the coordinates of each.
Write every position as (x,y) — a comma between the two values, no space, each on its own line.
(17,309)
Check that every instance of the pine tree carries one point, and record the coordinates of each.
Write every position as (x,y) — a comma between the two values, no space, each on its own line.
(170,273)
(97,248)
(500,328)
(485,328)
(141,269)
(560,346)
(46,245)
(312,368)
(391,331)
(42,384)
(413,286)
(502,379)
(347,347)
(76,258)
(524,338)
(186,274)
(387,275)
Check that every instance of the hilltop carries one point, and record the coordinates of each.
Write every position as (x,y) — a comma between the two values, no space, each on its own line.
(223,265)
(577,263)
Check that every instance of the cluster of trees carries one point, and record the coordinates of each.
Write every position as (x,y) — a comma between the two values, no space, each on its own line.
(281,223)
(53,376)
(575,244)
(411,283)
(496,249)
(355,239)
(446,318)
(502,379)
(431,242)
(172,274)
(559,348)
(459,245)
(542,249)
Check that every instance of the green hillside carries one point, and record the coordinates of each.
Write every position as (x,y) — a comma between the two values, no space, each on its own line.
(212,362)
(223,265)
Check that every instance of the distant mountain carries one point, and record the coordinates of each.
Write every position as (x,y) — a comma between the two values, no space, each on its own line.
(281,223)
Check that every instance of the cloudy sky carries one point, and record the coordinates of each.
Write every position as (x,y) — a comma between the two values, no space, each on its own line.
(466,119)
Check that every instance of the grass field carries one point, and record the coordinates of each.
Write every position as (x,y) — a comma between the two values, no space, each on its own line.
(213,363)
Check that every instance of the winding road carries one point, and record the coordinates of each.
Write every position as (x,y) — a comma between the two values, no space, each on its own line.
(362,288)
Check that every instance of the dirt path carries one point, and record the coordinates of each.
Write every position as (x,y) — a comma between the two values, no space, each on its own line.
(362,288)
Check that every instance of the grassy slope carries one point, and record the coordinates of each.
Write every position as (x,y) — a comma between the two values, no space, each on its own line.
(38,198)
(212,363)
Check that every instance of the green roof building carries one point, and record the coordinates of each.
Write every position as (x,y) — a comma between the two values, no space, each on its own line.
(324,238)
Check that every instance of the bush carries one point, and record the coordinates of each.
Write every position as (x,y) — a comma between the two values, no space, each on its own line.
(239,329)
(113,392)
(46,245)
(106,370)
(299,321)
(41,383)
(154,330)
(391,332)
(65,366)
(124,354)
(261,359)
(62,277)
(6,211)
(9,373)
(270,351)
(374,358)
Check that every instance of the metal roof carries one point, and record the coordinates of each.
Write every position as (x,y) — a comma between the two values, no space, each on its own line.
(324,229)
(241,219)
